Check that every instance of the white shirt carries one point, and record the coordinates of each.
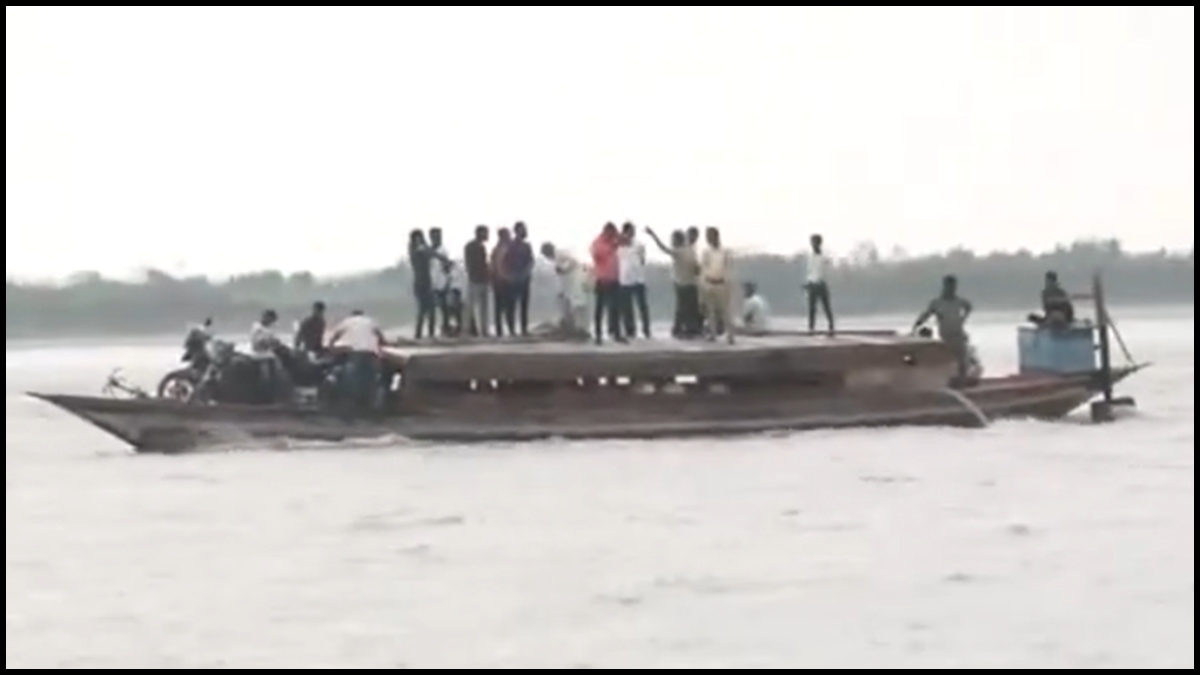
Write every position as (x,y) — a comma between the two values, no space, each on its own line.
(817,265)
(587,279)
(715,265)
(438,269)
(263,341)
(570,277)
(757,313)
(632,261)
(358,334)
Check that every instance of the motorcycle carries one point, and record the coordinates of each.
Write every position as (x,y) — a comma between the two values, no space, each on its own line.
(199,352)
(215,373)
(218,373)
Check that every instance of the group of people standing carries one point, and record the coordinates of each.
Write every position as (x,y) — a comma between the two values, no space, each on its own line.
(702,275)
(497,283)
(619,278)
(488,294)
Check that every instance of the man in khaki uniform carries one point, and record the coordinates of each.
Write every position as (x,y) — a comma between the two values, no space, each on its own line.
(716,277)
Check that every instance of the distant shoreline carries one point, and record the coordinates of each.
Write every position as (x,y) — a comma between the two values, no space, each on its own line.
(866,285)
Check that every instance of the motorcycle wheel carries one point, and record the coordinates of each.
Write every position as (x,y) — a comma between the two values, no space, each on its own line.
(178,385)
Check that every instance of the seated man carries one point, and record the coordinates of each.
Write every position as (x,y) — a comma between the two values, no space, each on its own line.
(756,313)
(1057,309)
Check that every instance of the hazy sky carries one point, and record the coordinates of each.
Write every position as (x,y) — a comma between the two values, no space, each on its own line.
(220,140)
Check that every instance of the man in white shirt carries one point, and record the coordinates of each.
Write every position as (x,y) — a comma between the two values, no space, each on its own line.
(454,307)
(571,303)
(263,340)
(265,348)
(360,337)
(816,284)
(716,275)
(442,274)
(632,260)
(756,313)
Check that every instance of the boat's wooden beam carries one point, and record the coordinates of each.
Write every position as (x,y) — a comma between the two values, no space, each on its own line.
(711,362)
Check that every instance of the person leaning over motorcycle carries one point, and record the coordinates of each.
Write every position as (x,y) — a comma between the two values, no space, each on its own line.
(362,340)
(266,347)
(195,345)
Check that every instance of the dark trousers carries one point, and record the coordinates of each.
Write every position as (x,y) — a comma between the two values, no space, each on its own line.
(634,306)
(608,306)
(426,310)
(688,320)
(361,380)
(818,294)
(452,316)
(505,307)
(520,302)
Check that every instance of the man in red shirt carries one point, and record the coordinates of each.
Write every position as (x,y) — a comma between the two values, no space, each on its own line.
(607,271)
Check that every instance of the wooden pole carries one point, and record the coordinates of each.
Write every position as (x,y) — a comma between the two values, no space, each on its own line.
(1103,326)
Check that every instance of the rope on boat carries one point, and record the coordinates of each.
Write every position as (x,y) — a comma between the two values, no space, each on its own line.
(981,419)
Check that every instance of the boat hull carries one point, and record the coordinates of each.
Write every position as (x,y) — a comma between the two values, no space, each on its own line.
(161,426)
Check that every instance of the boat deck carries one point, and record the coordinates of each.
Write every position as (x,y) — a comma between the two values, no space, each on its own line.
(776,354)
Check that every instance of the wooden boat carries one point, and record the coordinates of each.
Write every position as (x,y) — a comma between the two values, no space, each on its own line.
(652,389)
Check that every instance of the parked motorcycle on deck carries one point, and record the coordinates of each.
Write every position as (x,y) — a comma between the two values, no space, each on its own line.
(218,373)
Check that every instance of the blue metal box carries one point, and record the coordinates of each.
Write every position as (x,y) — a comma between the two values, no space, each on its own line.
(1059,351)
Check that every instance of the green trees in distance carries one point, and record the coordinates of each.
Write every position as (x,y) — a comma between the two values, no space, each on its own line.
(865,282)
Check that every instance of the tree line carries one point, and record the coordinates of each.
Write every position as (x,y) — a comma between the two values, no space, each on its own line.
(863,283)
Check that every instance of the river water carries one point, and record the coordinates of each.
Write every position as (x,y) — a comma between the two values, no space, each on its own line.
(1023,545)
